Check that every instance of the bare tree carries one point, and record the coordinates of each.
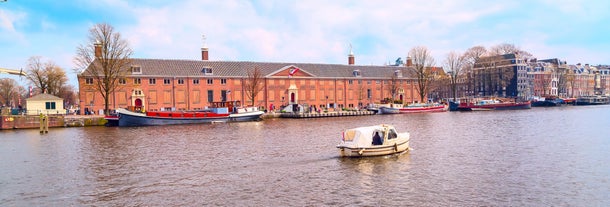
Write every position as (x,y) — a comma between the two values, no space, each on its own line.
(422,63)
(106,61)
(506,48)
(454,62)
(47,77)
(393,86)
(8,91)
(472,56)
(68,93)
(254,84)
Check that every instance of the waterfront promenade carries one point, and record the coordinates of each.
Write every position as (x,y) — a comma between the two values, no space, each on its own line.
(31,122)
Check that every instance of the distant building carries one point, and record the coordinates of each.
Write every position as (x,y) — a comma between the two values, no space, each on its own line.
(501,76)
(159,84)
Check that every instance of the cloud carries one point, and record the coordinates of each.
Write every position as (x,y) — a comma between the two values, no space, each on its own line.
(8,20)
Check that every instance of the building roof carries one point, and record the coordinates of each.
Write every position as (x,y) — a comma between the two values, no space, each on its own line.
(43,97)
(194,68)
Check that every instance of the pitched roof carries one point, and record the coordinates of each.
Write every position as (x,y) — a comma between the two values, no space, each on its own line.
(193,68)
(42,97)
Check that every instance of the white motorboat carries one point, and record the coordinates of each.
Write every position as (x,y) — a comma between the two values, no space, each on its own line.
(373,141)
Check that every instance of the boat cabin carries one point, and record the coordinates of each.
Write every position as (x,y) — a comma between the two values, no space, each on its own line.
(369,136)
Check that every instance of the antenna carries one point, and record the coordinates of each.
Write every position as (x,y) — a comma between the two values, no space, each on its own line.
(351,52)
(203,39)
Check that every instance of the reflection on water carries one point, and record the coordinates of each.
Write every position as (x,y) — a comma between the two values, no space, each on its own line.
(539,157)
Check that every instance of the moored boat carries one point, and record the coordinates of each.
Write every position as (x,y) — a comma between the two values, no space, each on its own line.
(373,141)
(211,115)
(488,104)
(592,100)
(412,108)
(547,102)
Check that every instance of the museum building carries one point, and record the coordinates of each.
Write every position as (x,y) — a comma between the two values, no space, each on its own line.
(162,84)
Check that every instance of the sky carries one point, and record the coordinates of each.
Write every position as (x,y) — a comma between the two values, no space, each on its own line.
(312,31)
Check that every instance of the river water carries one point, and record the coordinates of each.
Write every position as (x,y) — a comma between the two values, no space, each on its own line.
(538,157)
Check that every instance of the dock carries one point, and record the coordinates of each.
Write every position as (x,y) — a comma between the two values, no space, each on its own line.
(326,114)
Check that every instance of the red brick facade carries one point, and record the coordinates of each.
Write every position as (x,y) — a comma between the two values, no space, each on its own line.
(192,85)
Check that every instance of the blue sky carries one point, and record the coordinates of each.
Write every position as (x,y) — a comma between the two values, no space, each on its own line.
(316,31)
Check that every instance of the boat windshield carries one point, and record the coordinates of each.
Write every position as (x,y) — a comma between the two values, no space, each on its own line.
(392,134)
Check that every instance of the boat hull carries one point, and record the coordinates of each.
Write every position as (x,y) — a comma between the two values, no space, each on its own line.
(397,147)
(592,100)
(130,120)
(488,107)
(406,110)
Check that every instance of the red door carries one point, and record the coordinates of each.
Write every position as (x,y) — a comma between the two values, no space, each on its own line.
(138,102)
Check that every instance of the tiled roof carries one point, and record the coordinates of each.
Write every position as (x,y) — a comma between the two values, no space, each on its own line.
(44,96)
(193,68)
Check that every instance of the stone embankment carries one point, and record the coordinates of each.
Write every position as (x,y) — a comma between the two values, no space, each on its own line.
(33,122)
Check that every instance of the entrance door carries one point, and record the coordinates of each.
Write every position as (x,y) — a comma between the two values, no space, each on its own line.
(292,98)
(138,102)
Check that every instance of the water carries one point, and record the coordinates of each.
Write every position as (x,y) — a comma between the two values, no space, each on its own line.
(537,157)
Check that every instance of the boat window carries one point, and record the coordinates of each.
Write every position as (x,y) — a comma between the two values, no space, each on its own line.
(392,134)
(377,138)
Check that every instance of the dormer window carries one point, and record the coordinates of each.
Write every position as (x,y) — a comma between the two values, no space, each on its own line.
(207,71)
(356,73)
(136,70)
(398,73)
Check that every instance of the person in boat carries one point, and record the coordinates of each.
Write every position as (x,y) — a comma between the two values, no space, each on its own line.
(377,139)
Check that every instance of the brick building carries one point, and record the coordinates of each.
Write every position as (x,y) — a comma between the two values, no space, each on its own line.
(159,84)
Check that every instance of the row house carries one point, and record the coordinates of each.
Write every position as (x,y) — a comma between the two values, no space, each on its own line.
(511,76)
(501,76)
(547,77)
(585,80)
(160,84)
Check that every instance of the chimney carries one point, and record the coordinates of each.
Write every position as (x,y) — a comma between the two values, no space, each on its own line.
(98,49)
(409,61)
(204,49)
(204,53)
(350,58)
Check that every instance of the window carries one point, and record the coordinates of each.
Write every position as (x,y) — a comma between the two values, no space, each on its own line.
(207,71)
(167,81)
(350,82)
(223,95)
(180,81)
(369,93)
(137,81)
(49,105)
(210,95)
(368,82)
(122,81)
(89,81)
(210,81)
(223,81)
(196,81)
(377,81)
(152,81)
(356,73)
(136,70)
(392,134)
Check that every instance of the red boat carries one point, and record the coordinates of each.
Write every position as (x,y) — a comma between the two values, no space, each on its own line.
(489,104)
(413,108)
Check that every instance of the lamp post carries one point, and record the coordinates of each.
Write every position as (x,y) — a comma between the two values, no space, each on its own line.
(326,102)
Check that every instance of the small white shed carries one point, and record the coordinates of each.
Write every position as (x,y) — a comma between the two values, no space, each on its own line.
(46,104)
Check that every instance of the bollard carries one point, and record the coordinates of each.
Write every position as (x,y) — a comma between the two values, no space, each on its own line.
(44,124)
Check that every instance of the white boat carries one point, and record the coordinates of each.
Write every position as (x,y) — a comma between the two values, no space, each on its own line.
(373,141)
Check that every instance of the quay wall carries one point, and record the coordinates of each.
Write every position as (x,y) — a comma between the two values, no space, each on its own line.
(33,122)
